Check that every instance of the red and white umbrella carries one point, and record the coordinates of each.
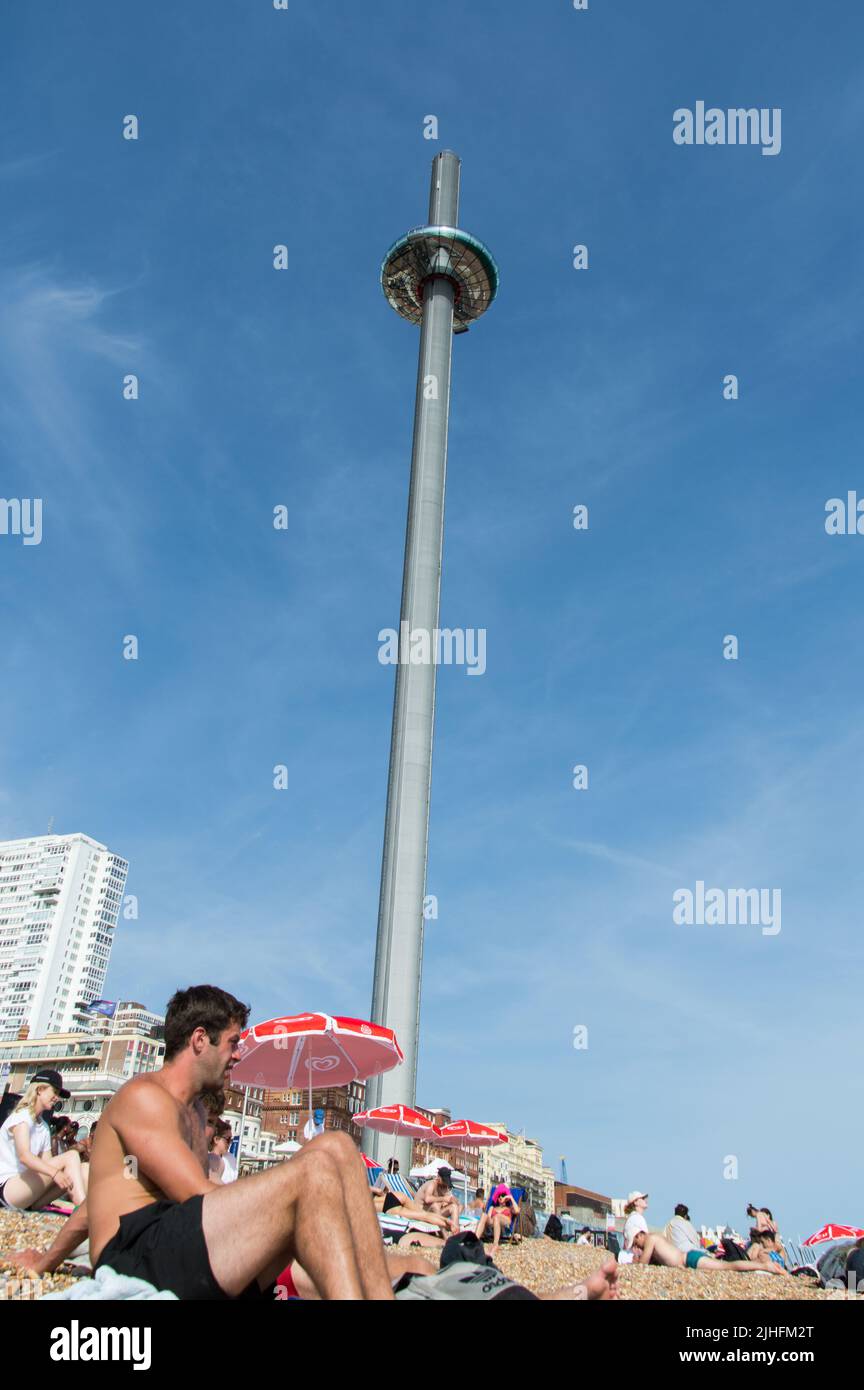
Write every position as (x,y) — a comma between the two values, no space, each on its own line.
(469,1134)
(397,1119)
(834,1232)
(295,1048)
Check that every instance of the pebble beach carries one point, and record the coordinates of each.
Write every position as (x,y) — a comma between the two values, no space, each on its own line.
(541,1265)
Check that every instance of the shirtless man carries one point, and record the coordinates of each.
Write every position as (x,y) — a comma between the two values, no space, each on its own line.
(76,1229)
(155,1214)
(648,1247)
(438,1195)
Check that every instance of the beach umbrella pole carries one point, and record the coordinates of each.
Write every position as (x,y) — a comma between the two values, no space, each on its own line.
(309,1064)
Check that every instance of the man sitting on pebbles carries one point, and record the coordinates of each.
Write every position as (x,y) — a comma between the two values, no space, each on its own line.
(437,1195)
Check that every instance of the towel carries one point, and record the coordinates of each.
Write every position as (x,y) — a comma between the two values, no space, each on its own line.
(109,1286)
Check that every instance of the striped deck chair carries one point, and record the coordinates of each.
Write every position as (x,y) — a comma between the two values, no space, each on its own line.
(397,1183)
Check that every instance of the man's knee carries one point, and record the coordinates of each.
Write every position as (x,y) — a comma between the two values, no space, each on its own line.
(337,1144)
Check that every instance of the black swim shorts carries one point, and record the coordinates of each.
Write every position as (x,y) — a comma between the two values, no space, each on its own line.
(164,1244)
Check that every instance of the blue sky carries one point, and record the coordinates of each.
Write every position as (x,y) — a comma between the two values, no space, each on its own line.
(601,387)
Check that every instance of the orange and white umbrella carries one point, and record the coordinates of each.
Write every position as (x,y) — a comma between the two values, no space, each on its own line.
(295,1048)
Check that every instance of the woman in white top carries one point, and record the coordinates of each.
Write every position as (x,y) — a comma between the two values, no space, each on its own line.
(634,1210)
(29,1174)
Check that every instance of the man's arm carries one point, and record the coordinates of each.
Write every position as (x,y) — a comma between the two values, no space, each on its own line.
(148,1123)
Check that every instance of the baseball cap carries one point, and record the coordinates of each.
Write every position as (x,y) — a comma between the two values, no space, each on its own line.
(47,1077)
(634,1196)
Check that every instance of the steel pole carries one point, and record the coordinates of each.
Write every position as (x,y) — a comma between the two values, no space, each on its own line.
(399,945)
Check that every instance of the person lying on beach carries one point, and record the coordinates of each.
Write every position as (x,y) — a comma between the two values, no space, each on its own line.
(154,1213)
(649,1248)
(403,1206)
(437,1195)
(500,1216)
(30,1175)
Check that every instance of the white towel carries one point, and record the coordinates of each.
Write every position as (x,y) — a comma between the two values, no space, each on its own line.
(109,1286)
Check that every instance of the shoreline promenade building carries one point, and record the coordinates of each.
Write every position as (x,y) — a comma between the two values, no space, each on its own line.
(94,1062)
(60,898)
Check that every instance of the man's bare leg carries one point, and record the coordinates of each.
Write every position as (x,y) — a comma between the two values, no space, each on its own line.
(73,1169)
(397,1265)
(430,1242)
(451,1212)
(709,1265)
(362,1218)
(254,1227)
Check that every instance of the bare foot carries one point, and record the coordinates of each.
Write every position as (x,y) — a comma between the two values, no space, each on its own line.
(602,1284)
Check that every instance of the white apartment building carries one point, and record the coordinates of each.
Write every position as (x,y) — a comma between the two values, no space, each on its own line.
(60,897)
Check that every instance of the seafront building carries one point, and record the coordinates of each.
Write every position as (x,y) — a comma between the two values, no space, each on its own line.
(285,1113)
(518,1162)
(60,898)
(93,1064)
(586,1208)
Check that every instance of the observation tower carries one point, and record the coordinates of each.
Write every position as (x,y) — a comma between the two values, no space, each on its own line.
(442,279)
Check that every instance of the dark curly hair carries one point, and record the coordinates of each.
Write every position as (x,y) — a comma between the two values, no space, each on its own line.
(200,1006)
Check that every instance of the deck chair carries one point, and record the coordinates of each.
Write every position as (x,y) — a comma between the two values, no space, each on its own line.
(397,1183)
(516,1224)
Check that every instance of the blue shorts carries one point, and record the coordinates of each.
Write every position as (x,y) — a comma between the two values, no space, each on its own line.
(693,1258)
